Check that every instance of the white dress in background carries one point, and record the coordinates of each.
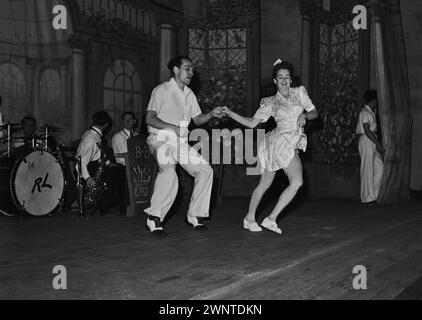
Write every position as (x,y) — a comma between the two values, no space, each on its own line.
(371,165)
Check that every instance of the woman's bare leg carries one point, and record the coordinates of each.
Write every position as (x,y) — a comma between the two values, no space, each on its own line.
(294,173)
(264,183)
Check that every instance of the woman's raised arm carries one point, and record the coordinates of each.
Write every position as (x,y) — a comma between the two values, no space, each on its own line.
(247,122)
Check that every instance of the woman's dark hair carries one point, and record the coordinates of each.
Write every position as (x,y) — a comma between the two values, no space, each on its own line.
(177,62)
(370,95)
(283,65)
(101,118)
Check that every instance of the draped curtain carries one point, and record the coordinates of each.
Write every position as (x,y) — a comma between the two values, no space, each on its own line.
(393,99)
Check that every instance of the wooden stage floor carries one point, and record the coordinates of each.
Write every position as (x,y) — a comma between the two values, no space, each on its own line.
(116,258)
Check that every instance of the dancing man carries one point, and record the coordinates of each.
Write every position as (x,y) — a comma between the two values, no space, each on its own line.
(279,150)
(170,110)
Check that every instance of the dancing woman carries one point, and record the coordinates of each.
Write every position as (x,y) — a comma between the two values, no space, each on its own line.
(279,150)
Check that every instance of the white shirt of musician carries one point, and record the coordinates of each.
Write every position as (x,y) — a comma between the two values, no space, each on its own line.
(88,149)
(173,105)
(119,143)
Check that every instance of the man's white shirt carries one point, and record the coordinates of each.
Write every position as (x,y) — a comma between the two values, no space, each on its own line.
(173,105)
(119,144)
(88,149)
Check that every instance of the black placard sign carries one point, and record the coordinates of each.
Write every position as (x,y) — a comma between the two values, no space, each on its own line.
(141,169)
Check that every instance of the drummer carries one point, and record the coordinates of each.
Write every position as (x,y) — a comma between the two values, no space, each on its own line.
(29,126)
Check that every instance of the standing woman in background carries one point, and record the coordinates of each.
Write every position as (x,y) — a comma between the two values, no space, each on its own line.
(370,149)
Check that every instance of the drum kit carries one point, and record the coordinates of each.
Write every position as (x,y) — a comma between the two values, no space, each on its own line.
(32,179)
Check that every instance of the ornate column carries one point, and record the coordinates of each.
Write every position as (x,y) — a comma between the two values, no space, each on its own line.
(30,74)
(80,48)
(167,49)
(63,85)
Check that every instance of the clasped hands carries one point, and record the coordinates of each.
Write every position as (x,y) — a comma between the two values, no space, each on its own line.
(220,112)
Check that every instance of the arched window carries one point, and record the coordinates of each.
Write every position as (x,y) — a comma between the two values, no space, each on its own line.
(50,90)
(12,90)
(122,90)
(51,109)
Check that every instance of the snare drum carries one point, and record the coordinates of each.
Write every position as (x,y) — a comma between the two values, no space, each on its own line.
(37,184)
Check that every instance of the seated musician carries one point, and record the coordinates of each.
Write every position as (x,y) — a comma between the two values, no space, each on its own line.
(119,144)
(28,141)
(90,152)
(119,141)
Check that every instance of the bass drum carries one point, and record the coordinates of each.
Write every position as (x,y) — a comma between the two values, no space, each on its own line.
(37,183)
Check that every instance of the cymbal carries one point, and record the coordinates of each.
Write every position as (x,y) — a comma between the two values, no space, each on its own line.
(12,129)
(12,139)
(50,128)
(12,125)
(21,138)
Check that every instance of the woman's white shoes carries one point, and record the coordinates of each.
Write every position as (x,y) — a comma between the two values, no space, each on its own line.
(271,225)
(251,226)
(267,224)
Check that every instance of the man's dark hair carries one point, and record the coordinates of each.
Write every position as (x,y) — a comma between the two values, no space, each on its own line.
(29,118)
(177,62)
(101,118)
(128,113)
(370,95)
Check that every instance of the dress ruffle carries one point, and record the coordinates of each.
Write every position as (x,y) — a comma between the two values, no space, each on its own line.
(278,148)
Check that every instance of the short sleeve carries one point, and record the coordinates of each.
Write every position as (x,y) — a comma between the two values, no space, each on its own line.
(196,110)
(118,143)
(364,117)
(305,101)
(157,99)
(265,110)
(86,152)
